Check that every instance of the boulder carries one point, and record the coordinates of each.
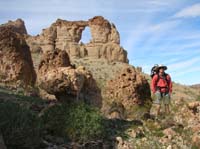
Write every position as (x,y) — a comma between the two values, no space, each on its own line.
(193,105)
(169,133)
(196,140)
(122,144)
(131,89)
(58,77)
(62,81)
(53,59)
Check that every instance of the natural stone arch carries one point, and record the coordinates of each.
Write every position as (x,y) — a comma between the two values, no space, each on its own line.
(68,36)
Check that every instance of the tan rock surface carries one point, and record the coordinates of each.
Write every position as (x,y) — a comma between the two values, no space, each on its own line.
(17,26)
(193,105)
(169,133)
(16,66)
(66,35)
(57,77)
(34,43)
(129,88)
(122,144)
(196,140)
(100,29)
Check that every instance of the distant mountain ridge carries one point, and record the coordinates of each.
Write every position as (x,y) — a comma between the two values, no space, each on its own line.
(196,86)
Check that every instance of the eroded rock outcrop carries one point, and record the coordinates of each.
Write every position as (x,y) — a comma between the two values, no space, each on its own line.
(57,77)
(131,90)
(66,35)
(100,30)
(34,44)
(16,66)
(17,26)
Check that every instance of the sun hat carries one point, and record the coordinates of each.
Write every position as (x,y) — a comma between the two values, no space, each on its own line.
(162,66)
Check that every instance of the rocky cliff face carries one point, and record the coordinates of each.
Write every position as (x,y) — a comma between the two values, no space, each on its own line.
(66,35)
(16,66)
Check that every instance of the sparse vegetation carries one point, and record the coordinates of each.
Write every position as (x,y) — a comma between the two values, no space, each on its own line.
(82,123)
(198,98)
(77,122)
(20,127)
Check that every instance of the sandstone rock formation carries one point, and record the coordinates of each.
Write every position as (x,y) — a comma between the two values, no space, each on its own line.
(16,66)
(17,26)
(33,43)
(130,89)
(56,76)
(102,31)
(66,35)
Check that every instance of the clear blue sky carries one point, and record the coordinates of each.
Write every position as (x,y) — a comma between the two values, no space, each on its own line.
(152,31)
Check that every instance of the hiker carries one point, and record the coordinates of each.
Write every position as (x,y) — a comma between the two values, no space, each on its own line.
(161,86)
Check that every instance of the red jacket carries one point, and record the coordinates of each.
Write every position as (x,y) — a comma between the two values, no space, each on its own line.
(163,84)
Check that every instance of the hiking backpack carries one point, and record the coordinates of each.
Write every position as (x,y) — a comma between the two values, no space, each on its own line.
(154,70)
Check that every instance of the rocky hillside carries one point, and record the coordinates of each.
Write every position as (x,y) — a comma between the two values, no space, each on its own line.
(196,86)
(84,95)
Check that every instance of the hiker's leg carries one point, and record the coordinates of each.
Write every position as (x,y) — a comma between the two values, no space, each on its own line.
(158,102)
(168,111)
(158,109)
(166,103)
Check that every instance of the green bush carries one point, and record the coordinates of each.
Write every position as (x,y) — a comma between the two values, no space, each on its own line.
(198,98)
(75,121)
(19,126)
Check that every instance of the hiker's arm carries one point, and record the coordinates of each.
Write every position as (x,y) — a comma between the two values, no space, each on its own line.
(170,84)
(153,84)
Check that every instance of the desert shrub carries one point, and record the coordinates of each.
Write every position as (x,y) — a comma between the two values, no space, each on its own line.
(75,121)
(19,126)
(198,98)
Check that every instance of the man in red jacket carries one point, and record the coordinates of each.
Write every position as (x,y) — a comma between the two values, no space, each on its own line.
(161,86)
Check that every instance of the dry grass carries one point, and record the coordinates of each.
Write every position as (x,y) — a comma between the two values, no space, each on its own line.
(101,69)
